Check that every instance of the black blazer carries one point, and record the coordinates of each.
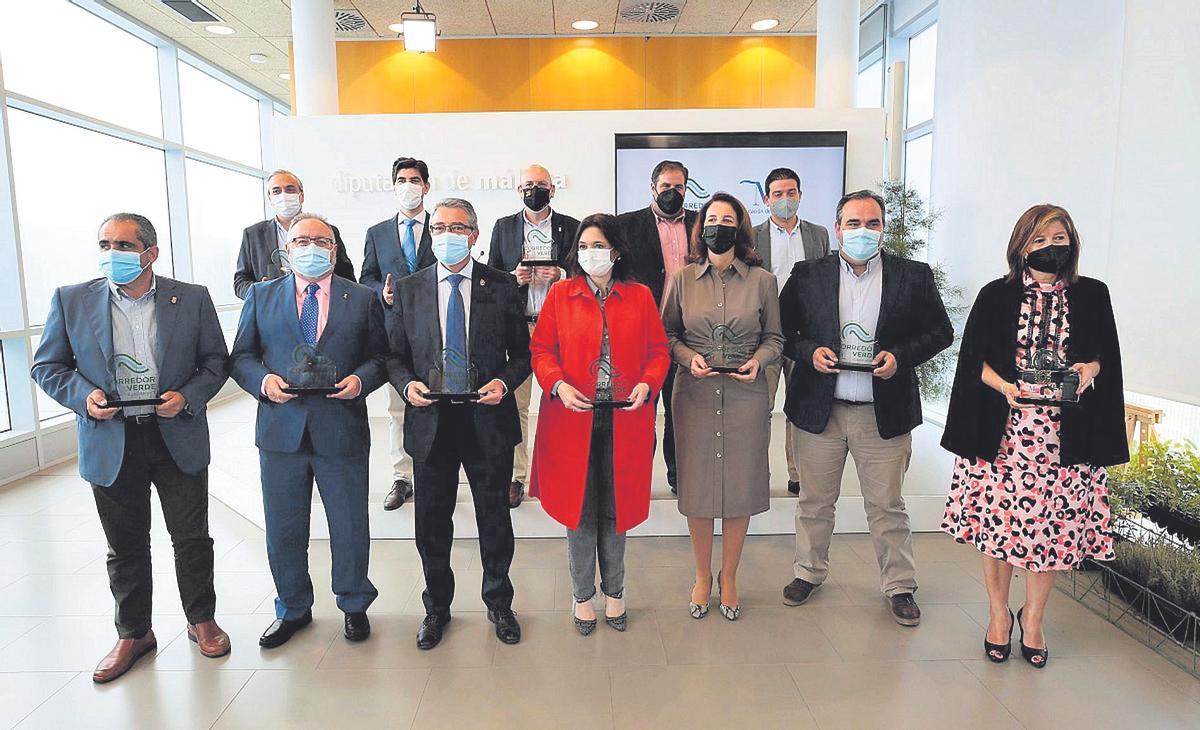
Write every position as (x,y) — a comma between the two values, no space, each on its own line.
(497,345)
(508,241)
(641,231)
(256,258)
(913,326)
(384,256)
(1092,432)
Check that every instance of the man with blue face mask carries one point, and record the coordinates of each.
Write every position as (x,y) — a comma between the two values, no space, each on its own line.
(857,324)
(459,327)
(137,357)
(310,347)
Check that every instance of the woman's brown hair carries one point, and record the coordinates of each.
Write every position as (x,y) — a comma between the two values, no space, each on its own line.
(1029,225)
(743,246)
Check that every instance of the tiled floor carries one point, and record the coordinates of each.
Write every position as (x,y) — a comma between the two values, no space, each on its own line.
(837,662)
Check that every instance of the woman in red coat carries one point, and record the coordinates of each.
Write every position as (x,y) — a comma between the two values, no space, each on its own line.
(600,355)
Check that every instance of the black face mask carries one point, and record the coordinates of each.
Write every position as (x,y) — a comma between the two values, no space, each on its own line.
(1048,260)
(536,199)
(719,239)
(670,201)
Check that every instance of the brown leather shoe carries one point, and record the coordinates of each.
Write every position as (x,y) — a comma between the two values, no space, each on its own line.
(213,642)
(123,656)
(516,493)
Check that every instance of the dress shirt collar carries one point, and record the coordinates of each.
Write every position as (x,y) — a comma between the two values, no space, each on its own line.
(467,271)
(540,224)
(783,231)
(873,263)
(741,267)
(324,284)
(121,293)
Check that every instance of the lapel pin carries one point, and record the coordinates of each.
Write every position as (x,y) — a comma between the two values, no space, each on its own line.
(345,295)
(483,282)
(174,300)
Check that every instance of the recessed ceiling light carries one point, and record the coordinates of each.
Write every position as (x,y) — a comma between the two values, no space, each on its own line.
(397,28)
(585,25)
(285,76)
(258,58)
(764,24)
(220,29)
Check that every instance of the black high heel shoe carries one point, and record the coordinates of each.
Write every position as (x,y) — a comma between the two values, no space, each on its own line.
(1003,650)
(620,623)
(584,627)
(1036,657)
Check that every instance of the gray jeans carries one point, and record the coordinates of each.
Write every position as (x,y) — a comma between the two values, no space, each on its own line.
(597,536)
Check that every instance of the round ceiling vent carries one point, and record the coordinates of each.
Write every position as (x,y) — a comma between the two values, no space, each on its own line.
(655,11)
(346,20)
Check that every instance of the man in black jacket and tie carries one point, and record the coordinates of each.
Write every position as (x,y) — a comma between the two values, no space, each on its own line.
(658,236)
(262,256)
(458,327)
(857,323)
(529,235)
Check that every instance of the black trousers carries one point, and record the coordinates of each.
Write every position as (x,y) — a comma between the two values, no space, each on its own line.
(489,473)
(124,510)
(668,438)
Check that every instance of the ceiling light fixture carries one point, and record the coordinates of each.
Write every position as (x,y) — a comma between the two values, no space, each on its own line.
(764,24)
(419,29)
(220,29)
(585,25)
(285,76)
(258,58)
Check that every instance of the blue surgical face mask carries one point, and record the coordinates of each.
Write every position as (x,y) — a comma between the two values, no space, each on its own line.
(121,267)
(311,261)
(450,248)
(860,244)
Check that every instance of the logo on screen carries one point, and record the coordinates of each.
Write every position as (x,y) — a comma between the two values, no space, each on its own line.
(757,187)
(696,189)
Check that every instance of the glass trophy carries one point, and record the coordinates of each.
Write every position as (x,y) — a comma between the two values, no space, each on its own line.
(539,250)
(613,388)
(858,350)
(280,258)
(1047,381)
(729,352)
(311,373)
(134,378)
(453,379)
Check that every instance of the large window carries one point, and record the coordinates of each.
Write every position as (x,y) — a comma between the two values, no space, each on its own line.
(68,179)
(220,204)
(922,56)
(870,86)
(218,119)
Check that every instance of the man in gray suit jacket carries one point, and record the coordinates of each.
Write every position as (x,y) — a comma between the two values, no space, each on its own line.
(131,337)
(781,241)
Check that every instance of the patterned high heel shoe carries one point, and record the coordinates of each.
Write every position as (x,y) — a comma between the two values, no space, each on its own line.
(732,613)
(697,610)
(998,653)
(617,622)
(584,627)
(1035,657)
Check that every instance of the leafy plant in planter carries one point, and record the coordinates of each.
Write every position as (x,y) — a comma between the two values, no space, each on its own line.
(1162,482)
(1170,570)
(909,221)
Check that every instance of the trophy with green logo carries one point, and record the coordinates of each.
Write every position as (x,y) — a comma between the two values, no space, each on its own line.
(279,257)
(311,373)
(136,384)
(858,349)
(540,249)
(1045,378)
(453,379)
(613,389)
(728,351)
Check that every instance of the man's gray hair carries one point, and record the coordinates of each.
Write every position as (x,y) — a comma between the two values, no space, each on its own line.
(145,229)
(282,171)
(305,215)
(460,204)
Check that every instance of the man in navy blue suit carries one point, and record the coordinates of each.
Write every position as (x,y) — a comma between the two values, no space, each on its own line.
(132,336)
(299,333)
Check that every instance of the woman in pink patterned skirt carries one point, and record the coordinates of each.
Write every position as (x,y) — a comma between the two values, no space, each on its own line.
(1029,485)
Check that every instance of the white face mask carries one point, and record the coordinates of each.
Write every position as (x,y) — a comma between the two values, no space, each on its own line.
(409,195)
(286,204)
(596,261)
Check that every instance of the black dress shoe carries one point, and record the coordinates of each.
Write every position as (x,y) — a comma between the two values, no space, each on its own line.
(507,628)
(278,633)
(402,490)
(516,493)
(430,633)
(794,488)
(358,628)
(798,591)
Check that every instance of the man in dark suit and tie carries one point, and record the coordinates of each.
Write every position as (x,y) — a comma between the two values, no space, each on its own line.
(867,308)
(396,248)
(658,236)
(461,323)
(262,256)
(126,337)
(532,230)
(781,241)
(313,329)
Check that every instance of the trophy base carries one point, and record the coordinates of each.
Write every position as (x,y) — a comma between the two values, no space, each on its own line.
(726,369)
(539,262)
(1046,402)
(855,368)
(611,403)
(443,397)
(132,402)
(323,390)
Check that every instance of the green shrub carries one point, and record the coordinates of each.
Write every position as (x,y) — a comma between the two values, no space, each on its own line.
(1171,571)
(1160,473)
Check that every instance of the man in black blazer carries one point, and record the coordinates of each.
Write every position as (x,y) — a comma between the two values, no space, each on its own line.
(460,322)
(658,238)
(512,236)
(858,306)
(395,248)
(261,255)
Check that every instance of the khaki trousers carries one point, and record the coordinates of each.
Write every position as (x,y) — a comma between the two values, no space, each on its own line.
(402,466)
(784,366)
(881,464)
(523,394)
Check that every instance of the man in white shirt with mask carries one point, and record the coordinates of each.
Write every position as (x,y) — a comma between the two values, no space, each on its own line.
(263,254)
(396,248)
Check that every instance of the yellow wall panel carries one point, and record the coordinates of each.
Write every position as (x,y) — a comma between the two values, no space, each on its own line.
(789,71)
(587,73)
(375,78)
(703,73)
(473,76)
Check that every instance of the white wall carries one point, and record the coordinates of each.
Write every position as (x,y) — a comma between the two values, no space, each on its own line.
(1091,105)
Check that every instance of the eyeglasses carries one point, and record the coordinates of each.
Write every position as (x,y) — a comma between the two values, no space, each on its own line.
(459,228)
(321,241)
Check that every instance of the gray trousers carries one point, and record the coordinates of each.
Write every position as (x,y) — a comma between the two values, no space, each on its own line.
(597,536)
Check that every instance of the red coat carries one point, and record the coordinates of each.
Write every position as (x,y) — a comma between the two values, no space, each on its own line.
(565,345)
